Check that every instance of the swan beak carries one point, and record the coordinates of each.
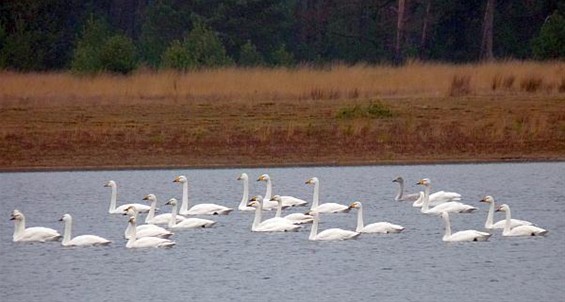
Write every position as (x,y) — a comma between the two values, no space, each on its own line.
(239,178)
(498,209)
(146,198)
(482,200)
(61,219)
(13,218)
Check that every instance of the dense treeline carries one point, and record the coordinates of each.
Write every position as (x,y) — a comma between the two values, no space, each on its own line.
(122,35)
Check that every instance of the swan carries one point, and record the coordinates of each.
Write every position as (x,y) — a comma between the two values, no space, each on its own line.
(199,209)
(521,230)
(329,207)
(329,234)
(452,207)
(82,240)
(437,197)
(243,204)
(500,224)
(145,230)
(141,208)
(467,235)
(21,234)
(161,218)
(287,201)
(276,224)
(267,203)
(400,196)
(377,227)
(188,223)
(296,218)
(134,242)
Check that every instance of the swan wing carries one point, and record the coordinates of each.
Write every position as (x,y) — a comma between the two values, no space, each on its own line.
(452,207)
(290,201)
(336,234)
(331,207)
(270,205)
(153,232)
(191,223)
(526,230)
(146,242)
(277,226)
(382,227)
(165,218)
(141,208)
(442,196)
(409,197)
(469,235)
(299,218)
(208,209)
(87,240)
(41,234)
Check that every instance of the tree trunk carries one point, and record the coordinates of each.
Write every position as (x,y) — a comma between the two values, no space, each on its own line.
(486,44)
(425,28)
(399,31)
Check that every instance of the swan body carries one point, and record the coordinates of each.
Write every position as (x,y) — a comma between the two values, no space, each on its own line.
(467,235)
(188,223)
(450,207)
(377,227)
(82,240)
(275,224)
(243,203)
(400,196)
(146,242)
(295,218)
(500,224)
(141,208)
(328,207)
(145,230)
(164,218)
(437,197)
(199,209)
(521,230)
(329,234)
(33,234)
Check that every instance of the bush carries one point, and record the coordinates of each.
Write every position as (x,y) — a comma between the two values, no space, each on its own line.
(177,57)
(249,56)
(118,55)
(374,110)
(205,47)
(550,43)
(86,56)
(281,57)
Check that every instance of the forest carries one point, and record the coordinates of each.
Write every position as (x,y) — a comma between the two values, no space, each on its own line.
(126,35)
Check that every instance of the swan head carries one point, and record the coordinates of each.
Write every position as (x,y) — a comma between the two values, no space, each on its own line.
(264,177)
(131,210)
(502,208)
(424,182)
(399,180)
(276,198)
(17,215)
(243,176)
(111,184)
(356,205)
(182,179)
(256,198)
(313,180)
(150,197)
(132,220)
(66,217)
(444,215)
(487,199)
(254,203)
(171,202)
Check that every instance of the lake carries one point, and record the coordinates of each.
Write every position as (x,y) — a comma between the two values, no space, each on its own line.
(230,263)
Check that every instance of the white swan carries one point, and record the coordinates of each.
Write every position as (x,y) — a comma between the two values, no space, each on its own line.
(521,230)
(188,223)
(500,224)
(144,242)
(276,224)
(145,230)
(467,235)
(199,209)
(451,207)
(82,240)
(141,208)
(296,218)
(268,204)
(40,234)
(243,204)
(377,227)
(437,197)
(329,234)
(287,201)
(400,196)
(164,218)
(328,207)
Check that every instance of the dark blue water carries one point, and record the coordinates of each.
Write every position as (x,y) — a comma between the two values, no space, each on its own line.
(230,263)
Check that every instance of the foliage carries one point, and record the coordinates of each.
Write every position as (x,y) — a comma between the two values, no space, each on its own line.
(177,57)
(205,47)
(249,56)
(86,57)
(550,43)
(281,57)
(118,55)
(373,110)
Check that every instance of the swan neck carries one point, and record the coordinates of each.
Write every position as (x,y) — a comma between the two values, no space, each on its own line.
(129,231)
(279,209)
(184,204)
(447,227)
(257,219)
(426,204)
(113,199)
(508,221)
(399,191)
(360,223)
(19,227)
(490,216)
(151,213)
(245,198)
(173,219)
(269,192)
(133,235)
(67,232)
(314,228)
(316,196)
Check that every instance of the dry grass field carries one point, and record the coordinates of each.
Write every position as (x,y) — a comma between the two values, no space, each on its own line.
(266,117)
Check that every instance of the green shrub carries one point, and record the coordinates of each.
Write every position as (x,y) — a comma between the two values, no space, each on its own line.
(550,43)
(206,48)
(86,56)
(281,57)
(249,56)
(374,110)
(177,57)
(118,55)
